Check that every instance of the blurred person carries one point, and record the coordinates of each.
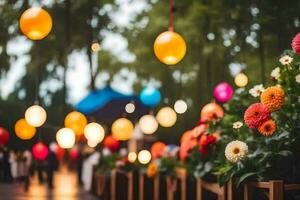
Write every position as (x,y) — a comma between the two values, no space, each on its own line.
(52,165)
(1,165)
(28,168)
(13,163)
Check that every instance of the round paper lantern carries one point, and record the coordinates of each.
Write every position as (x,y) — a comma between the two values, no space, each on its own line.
(74,154)
(129,108)
(40,151)
(180,106)
(166,117)
(144,157)
(132,157)
(65,138)
(211,111)
(223,92)
(35,115)
(95,46)
(111,143)
(92,144)
(188,135)
(76,121)
(150,96)
(296,44)
(157,149)
(35,23)
(23,130)
(148,124)
(94,132)
(122,129)
(241,80)
(169,47)
(4,136)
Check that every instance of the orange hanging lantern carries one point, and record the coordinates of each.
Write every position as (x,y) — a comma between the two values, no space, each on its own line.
(211,111)
(76,121)
(23,130)
(122,129)
(35,23)
(169,47)
(157,149)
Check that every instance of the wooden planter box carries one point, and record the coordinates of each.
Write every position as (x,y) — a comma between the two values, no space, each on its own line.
(276,189)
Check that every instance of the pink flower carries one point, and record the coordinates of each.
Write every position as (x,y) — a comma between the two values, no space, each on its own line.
(256,114)
(296,44)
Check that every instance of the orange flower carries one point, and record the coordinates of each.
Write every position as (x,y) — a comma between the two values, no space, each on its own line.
(267,128)
(273,98)
(152,170)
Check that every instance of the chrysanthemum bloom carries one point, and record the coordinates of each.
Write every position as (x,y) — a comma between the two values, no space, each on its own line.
(296,44)
(285,60)
(275,73)
(236,151)
(152,170)
(267,128)
(237,125)
(257,90)
(273,98)
(256,114)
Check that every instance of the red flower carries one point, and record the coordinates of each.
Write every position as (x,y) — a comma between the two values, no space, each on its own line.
(185,147)
(256,114)
(296,44)
(205,141)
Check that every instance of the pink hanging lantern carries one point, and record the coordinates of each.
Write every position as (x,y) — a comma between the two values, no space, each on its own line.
(4,136)
(74,154)
(40,151)
(296,44)
(223,92)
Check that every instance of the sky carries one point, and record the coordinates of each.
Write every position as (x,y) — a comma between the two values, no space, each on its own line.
(78,67)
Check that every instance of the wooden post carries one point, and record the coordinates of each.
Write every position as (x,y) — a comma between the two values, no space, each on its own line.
(230,188)
(113,185)
(276,190)
(130,185)
(181,174)
(141,187)
(171,187)
(247,192)
(156,188)
(198,189)
(221,195)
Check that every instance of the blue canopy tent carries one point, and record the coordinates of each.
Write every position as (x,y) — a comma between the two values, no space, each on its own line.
(107,104)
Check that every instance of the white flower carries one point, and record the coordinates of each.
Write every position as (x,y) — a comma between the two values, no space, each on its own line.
(285,60)
(276,73)
(236,151)
(237,125)
(257,90)
(106,152)
(297,78)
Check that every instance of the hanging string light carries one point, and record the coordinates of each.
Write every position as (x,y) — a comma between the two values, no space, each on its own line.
(76,121)
(180,106)
(169,46)
(144,157)
(35,115)
(166,117)
(130,108)
(122,129)
(95,46)
(148,124)
(65,138)
(94,133)
(241,80)
(24,130)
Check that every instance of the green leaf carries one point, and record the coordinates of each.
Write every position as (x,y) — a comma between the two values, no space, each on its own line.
(285,153)
(244,177)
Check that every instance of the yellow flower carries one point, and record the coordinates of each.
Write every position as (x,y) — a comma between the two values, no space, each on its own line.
(273,98)
(236,151)
(152,170)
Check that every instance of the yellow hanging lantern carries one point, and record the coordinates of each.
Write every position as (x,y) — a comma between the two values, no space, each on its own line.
(241,80)
(148,124)
(166,117)
(35,23)
(122,129)
(144,156)
(76,121)
(94,133)
(169,47)
(65,138)
(23,130)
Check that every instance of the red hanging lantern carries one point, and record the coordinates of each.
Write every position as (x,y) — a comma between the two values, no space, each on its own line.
(40,151)
(4,136)
(111,143)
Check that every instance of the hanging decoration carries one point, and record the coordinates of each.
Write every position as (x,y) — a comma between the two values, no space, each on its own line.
(65,138)
(169,46)
(144,157)
(157,149)
(130,108)
(166,117)
(35,23)
(148,124)
(24,130)
(95,46)
(296,44)
(40,151)
(35,115)
(132,157)
(241,80)
(111,143)
(223,92)
(150,96)
(94,133)
(180,106)
(76,121)
(122,129)
(4,136)
(211,111)
(59,152)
